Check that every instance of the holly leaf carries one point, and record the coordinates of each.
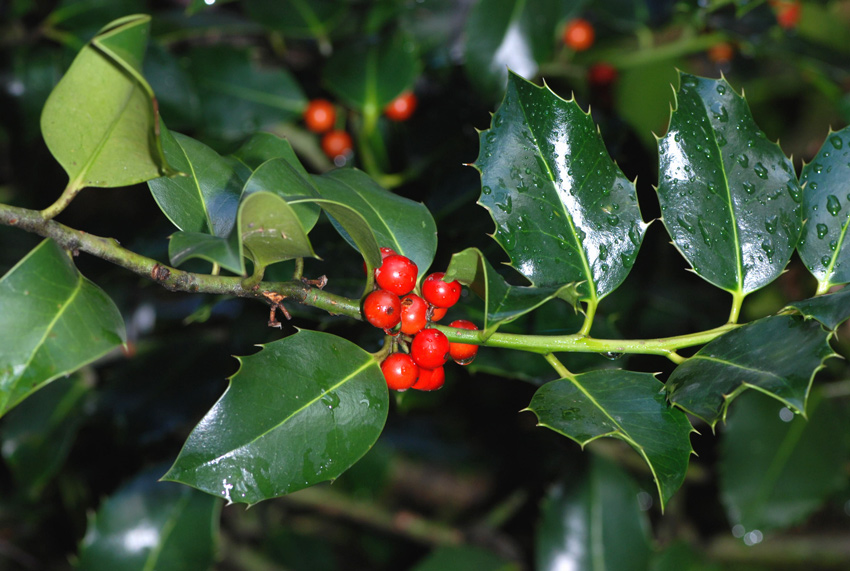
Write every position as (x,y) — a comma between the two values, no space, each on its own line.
(207,198)
(778,355)
(100,121)
(289,181)
(52,322)
(286,423)
(729,197)
(298,18)
(271,230)
(224,251)
(824,246)
(397,222)
(152,525)
(625,405)
(502,302)
(831,309)
(594,523)
(262,147)
(564,212)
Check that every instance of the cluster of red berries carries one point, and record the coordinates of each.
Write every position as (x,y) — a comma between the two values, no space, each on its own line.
(394,308)
(320,117)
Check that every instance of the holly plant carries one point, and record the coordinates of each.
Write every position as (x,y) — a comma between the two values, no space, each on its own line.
(296,216)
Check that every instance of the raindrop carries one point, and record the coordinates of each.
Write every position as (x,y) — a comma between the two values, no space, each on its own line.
(704,231)
(767,246)
(817,167)
(603,253)
(822,230)
(770,224)
(486,190)
(794,191)
(761,171)
(611,355)
(743,160)
(813,185)
(720,112)
(748,187)
(712,188)
(721,140)
(825,261)
(721,89)
(684,223)
(613,219)
(569,413)
(836,141)
(832,205)
(507,206)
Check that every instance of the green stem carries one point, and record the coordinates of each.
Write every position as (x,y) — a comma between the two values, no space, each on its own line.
(589,314)
(559,367)
(737,301)
(823,287)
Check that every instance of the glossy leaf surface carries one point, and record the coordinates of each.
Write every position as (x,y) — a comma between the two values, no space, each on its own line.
(271,229)
(368,75)
(729,197)
(299,412)
(206,199)
(287,180)
(398,223)
(38,434)
(262,147)
(777,355)
(831,309)
(148,524)
(52,322)
(100,122)
(825,244)
(594,523)
(564,212)
(502,302)
(300,18)
(224,251)
(776,467)
(625,405)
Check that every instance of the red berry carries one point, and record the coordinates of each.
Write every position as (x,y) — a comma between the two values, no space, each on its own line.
(579,34)
(384,253)
(439,293)
(602,74)
(397,274)
(787,13)
(463,353)
(414,314)
(430,379)
(402,107)
(337,143)
(430,349)
(320,115)
(437,313)
(382,309)
(721,53)
(400,371)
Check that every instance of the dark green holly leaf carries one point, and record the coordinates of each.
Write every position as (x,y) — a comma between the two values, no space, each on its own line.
(831,309)
(625,405)
(502,302)
(509,34)
(262,147)
(778,355)
(224,251)
(729,197)
(824,246)
(354,226)
(299,412)
(37,435)
(148,524)
(464,558)
(594,523)
(398,223)
(271,230)
(564,212)
(289,181)
(175,93)
(52,322)
(207,198)
(298,18)
(100,121)
(368,75)
(776,467)
(238,97)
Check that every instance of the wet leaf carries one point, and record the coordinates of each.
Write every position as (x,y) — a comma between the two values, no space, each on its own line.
(52,322)
(778,355)
(100,122)
(271,230)
(824,246)
(286,422)
(729,197)
(502,302)
(207,198)
(595,522)
(831,309)
(625,405)
(397,222)
(776,468)
(148,524)
(564,212)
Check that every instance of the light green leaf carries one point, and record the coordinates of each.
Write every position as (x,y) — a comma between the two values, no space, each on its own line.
(595,523)
(289,181)
(284,423)
(52,322)
(824,245)
(778,355)
(398,223)
(564,212)
(149,525)
(502,302)
(729,197)
(100,121)
(271,230)
(625,405)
